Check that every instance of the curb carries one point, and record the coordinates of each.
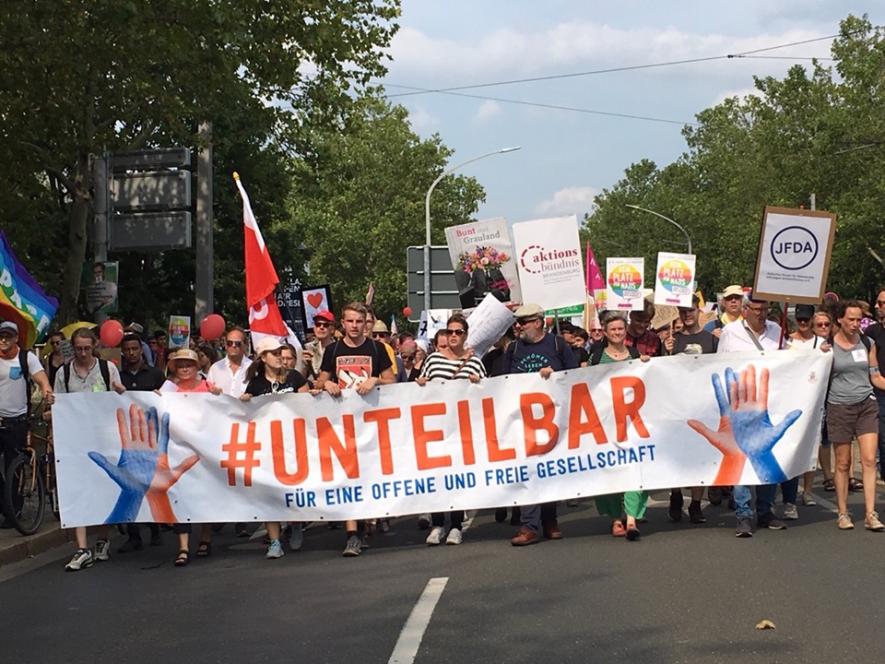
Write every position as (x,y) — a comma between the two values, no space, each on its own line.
(19,548)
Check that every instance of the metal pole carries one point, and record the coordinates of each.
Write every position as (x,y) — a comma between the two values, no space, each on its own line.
(658,214)
(100,228)
(427,216)
(204,281)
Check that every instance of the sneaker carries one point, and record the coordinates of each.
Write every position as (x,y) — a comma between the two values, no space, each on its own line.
(296,538)
(454,536)
(130,545)
(873,523)
(423,522)
(353,547)
(469,515)
(844,521)
(791,512)
(435,537)
(771,522)
(675,510)
(807,499)
(744,528)
(275,550)
(82,558)
(103,550)
(695,513)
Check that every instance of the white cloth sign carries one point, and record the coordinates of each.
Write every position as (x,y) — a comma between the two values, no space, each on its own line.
(624,280)
(548,254)
(407,449)
(674,279)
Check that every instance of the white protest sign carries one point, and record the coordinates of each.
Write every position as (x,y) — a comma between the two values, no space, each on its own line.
(794,255)
(432,321)
(548,252)
(624,280)
(487,323)
(483,261)
(674,279)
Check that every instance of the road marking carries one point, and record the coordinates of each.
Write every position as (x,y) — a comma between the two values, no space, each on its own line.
(409,640)
(823,502)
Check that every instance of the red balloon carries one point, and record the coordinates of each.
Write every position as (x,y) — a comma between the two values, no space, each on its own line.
(212,327)
(111,333)
(407,311)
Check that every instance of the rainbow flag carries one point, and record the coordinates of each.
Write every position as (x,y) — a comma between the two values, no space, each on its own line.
(22,300)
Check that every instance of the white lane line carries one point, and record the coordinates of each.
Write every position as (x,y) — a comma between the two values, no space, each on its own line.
(823,502)
(409,640)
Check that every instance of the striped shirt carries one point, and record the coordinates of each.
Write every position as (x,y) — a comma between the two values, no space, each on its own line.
(438,365)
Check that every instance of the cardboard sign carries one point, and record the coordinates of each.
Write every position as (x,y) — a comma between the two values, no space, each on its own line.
(315,299)
(482,258)
(794,255)
(548,254)
(291,305)
(624,281)
(674,279)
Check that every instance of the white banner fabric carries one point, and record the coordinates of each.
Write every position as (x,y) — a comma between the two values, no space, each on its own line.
(406,449)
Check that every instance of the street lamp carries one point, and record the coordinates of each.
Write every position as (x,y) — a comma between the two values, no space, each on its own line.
(427,216)
(658,214)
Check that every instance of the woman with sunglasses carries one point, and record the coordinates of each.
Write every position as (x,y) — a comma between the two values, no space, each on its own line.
(454,361)
(267,375)
(631,503)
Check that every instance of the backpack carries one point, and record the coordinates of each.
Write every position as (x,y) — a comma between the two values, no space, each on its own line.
(26,375)
(102,367)
(596,358)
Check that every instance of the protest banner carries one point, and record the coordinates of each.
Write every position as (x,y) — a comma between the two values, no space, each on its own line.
(450,445)
(674,279)
(482,259)
(179,332)
(431,322)
(487,323)
(793,260)
(315,299)
(549,261)
(624,280)
(291,304)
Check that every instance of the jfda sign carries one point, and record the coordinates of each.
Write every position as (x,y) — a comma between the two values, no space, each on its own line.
(794,255)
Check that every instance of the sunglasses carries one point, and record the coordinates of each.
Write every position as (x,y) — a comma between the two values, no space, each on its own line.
(376,335)
(880,303)
(457,333)
(822,324)
(233,344)
(321,323)
(526,321)
(276,351)
(802,320)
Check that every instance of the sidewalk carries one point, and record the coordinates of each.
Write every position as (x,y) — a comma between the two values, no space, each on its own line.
(14,547)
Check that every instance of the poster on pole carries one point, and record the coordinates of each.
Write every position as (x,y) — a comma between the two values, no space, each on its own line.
(179,332)
(624,282)
(100,283)
(794,255)
(482,258)
(431,322)
(674,279)
(548,254)
(315,299)
(291,305)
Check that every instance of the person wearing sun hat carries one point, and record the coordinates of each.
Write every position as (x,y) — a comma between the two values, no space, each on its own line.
(732,303)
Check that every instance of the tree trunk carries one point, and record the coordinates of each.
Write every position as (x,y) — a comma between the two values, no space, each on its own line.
(78,220)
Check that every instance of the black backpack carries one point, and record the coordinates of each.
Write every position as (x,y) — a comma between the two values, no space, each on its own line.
(102,367)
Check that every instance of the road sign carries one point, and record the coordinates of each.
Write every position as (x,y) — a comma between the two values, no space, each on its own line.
(165,190)
(149,231)
(443,289)
(151,160)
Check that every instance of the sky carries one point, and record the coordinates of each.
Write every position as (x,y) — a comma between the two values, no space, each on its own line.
(567,157)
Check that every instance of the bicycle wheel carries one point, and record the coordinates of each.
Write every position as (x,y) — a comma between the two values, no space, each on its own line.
(25,495)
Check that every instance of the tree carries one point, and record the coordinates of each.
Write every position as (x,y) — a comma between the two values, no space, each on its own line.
(83,77)
(358,202)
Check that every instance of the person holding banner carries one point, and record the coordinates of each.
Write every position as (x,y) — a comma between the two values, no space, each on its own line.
(229,373)
(267,375)
(452,363)
(354,362)
(852,411)
(630,503)
(537,351)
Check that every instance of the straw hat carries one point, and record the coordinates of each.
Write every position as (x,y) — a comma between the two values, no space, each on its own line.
(182,354)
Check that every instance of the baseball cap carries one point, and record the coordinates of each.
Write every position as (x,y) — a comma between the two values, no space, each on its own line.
(733,290)
(529,311)
(268,344)
(9,327)
(805,311)
(325,314)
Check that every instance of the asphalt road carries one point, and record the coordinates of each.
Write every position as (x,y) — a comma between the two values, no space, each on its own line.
(682,593)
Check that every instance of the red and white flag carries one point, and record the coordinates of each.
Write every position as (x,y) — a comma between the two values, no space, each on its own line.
(265,318)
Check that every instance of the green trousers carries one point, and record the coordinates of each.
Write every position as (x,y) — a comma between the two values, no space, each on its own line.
(631,503)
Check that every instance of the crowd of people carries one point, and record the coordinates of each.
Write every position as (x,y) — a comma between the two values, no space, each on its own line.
(359,352)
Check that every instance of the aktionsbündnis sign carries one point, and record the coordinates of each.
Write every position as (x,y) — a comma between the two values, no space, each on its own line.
(548,253)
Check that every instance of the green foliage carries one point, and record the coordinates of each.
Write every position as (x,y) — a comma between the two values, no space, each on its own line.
(820,132)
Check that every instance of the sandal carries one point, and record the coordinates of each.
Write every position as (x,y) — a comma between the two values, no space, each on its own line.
(855,485)
(829,485)
(183,558)
(204,549)
(618,528)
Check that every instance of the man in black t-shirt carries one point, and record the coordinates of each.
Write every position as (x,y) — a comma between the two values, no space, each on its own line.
(354,362)
(692,339)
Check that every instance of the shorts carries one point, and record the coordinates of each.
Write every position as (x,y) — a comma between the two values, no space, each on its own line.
(846,422)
